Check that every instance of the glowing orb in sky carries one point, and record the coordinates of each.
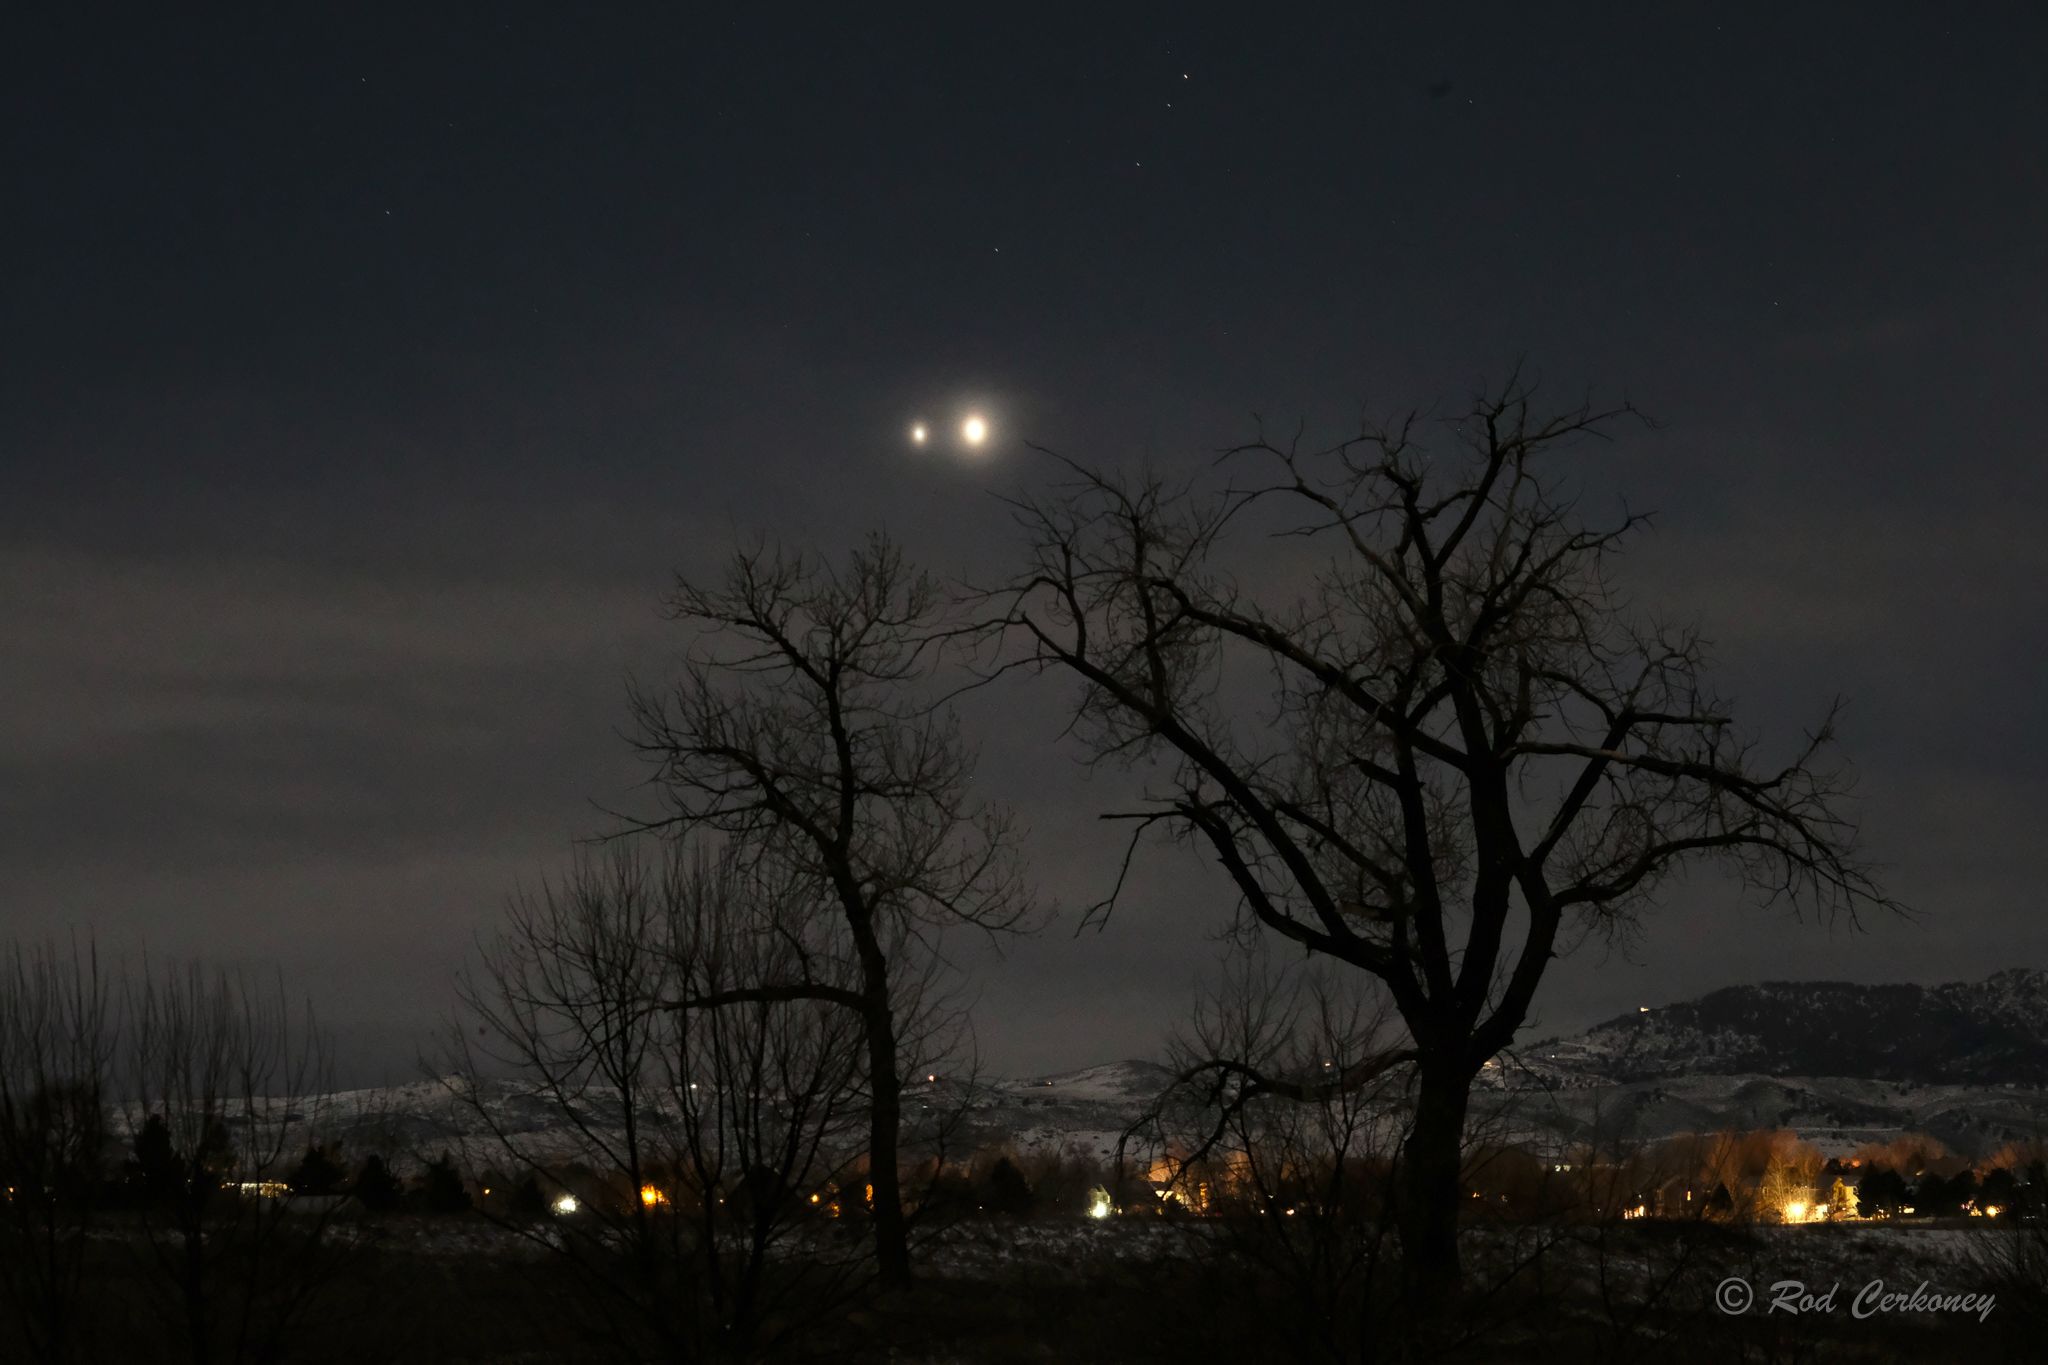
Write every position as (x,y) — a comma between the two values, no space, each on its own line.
(974,431)
(918,434)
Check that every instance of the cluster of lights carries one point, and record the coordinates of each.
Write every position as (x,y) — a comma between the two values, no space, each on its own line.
(974,432)
(1100,1205)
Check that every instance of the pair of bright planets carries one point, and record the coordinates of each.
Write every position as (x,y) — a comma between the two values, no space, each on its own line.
(973,432)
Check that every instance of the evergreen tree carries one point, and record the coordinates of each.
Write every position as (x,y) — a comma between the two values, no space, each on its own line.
(376,1188)
(1963,1192)
(204,1170)
(317,1173)
(1004,1189)
(1881,1191)
(528,1203)
(441,1188)
(156,1160)
(762,1191)
(1934,1197)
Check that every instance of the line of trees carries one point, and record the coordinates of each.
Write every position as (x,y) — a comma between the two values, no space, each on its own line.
(626,997)
(146,1105)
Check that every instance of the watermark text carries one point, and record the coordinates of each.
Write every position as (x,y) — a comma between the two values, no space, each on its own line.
(1735,1295)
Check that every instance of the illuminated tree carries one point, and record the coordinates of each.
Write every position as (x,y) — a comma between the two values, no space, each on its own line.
(1417,730)
(804,733)
(1785,1194)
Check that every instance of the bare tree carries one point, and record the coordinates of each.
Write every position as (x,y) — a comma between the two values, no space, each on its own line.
(56,1044)
(1471,746)
(804,731)
(1283,1124)
(714,1123)
(222,1096)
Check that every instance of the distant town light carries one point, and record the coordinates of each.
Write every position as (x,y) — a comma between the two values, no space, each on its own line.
(565,1204)
(1099,1205)
(652,1196)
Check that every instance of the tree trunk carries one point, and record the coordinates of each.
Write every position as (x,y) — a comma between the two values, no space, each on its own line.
(885,1103)
(1427,1199)
(885,1087)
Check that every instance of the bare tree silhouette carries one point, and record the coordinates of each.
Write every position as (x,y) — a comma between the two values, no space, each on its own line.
(224,1087)
(57,1035)
(807,733)
(712,1122)
(1469,746)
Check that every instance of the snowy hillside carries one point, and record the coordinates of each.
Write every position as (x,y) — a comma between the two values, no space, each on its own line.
(1839,1064)
(1993,1031)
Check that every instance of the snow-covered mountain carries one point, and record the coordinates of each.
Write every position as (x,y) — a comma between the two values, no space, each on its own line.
(1989,1032)
(1076,1113)
(1839,1064)
(1080,1113)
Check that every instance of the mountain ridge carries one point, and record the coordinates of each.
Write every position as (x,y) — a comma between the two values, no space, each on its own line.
(1988,1032)
(1840,1063)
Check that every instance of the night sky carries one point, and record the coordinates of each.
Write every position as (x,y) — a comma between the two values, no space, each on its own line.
(366,376)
